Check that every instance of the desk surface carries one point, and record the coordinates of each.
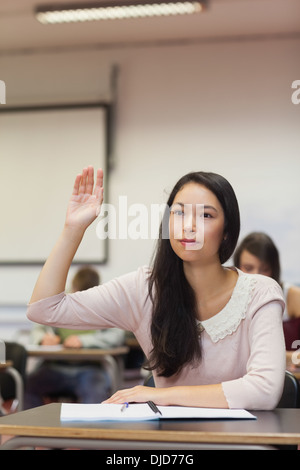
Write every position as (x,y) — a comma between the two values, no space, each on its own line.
(281,426)
(75,353)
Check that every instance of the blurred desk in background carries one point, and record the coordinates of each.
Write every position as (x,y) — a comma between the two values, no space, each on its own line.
(111,359)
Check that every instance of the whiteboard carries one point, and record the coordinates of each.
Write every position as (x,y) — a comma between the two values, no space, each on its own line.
(41,152)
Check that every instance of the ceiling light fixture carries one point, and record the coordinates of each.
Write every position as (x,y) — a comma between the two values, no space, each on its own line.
(52,14)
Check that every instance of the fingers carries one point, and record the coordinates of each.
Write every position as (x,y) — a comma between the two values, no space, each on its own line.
(89,181)
(136,394)
(84,183)
(121,396)
(76,185)
(80,183)
(98,191)
(99,181)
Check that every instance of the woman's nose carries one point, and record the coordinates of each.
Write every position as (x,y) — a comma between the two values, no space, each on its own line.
(189,223)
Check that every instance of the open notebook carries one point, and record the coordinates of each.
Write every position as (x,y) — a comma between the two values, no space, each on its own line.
(143,411)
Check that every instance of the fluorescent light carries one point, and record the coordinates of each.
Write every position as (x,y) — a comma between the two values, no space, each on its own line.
(115,10)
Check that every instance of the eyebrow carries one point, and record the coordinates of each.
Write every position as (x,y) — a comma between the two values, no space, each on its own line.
(205,206)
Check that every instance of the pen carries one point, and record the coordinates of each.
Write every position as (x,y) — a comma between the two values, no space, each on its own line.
(153,407)
(124,406)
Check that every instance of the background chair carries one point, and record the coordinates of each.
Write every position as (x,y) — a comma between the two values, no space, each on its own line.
(290,399)
(149,381)
(16,353)
(291,392)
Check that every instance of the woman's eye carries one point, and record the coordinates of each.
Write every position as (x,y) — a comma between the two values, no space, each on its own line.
(179,213)
(206,215)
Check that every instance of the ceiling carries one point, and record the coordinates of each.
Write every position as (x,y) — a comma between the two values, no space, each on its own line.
(21,33)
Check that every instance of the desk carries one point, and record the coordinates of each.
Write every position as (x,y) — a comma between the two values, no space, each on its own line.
(41,426)
(111,359)
(8,368)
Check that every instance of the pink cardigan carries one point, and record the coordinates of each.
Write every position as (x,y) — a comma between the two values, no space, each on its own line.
(243,345)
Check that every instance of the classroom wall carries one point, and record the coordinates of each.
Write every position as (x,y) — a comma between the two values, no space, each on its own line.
(214,106)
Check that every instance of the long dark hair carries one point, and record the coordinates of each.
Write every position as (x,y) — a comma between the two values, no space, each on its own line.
(174,334)
(262,246)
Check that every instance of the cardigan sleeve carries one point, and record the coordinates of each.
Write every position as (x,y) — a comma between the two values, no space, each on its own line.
(118,303)
(261,387)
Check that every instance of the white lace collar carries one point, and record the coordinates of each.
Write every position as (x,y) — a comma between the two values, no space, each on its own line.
(228,319)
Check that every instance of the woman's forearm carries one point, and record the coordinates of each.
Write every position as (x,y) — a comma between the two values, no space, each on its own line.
(52,279)
(206,396)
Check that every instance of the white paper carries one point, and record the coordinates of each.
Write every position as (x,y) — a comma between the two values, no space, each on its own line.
(142,411)
(105,412)
(187,412)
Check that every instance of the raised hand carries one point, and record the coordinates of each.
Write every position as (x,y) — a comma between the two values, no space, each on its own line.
(85,202)
(84,207)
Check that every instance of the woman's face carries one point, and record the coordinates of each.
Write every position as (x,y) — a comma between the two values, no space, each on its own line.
(251,264)
(196,223)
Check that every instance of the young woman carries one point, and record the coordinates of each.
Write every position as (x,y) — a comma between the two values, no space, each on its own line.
(212,335)
(258,254)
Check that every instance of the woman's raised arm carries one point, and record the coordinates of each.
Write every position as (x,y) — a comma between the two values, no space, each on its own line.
(83,208)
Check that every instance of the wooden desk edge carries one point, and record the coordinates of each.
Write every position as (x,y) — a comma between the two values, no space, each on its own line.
(151,435)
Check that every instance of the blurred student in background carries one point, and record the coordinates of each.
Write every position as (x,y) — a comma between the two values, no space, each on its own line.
(258,254)
(88,382)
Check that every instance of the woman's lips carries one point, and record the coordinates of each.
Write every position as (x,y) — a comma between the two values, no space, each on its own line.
(188,241)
